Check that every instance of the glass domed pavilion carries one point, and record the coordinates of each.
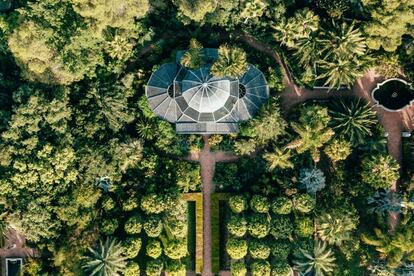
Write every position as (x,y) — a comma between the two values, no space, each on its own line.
(198,102)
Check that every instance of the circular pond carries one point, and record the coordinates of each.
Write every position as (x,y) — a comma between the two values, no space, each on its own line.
(393,94)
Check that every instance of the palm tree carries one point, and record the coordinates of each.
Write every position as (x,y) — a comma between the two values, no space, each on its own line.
(336,227)
(194,57)
(280,158)
(106,260)
(232,62)
(340,72)
(353,120)
(321,261)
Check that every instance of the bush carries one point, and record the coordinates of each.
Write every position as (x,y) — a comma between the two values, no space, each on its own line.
(312,180)
(304,226)
(261,268)
(281,268)
(236,248)
(132,247)
(259,225)
(154,268)
(380,171)
(178,228)
(175,268)
(175,249)
(130,204)
(108,204)
(259,204)
(237,203)
(304,203)
(152,204)
(133,225)
(282,206)
(237,225)
(259,249)
(154,249)
(338,150)
(132,269)
(238,268)
(109,226)
(153,226)
(281,249)
(281,227)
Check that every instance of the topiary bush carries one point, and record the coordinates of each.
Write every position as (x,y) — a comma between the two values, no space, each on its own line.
(152,204)
(132,247)
(175,249)
(281,268)
(258,225)
(154,249)
(175,268)
(260,268)
(177,228)
(304,203)
(237,203)
(153,226)
(108,204)
(259,204)
(236,248)
(132,269)
(280,249)
(133,225)
(282,205)
(154,268)
(259,249)
(238,268)
(109,226)
(379,171)
(304,226)
(281,227)
(237,225)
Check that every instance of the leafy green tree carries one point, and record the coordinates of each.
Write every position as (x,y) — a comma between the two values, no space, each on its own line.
(259,249)
(260,268)
(379,171)
(106,259)
(259,204)
(175,248)
(133,225)
(238,268)
(279,158)
(312,180)
(232,62)
(193,58)
(338,150)
(177,227)
(321,260)
(258,225)
(195,10)
(153,249)
(304,203)
(281,249)
(238,203)
(153,226)
(335,9)
(389,21)
(304,226)
(154,268)
(152,203)
(236,248)
(237,225)
(109,226)
(281,268)
(252,9)
(336,226)
(132,247)
(353,120)
(132,269)
(175,268)
(281,227)
(282,205)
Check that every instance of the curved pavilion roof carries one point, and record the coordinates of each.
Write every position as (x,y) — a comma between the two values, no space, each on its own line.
(199,102)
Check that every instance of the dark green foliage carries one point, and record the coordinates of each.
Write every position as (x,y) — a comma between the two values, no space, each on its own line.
(281,249)
(282,206)
(258,225)
(304,227)
(259,204)
(260,268)
(281,227)
(237,225)
(259,249)
(304,203)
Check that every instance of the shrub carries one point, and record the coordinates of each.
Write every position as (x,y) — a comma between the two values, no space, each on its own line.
(312,180)
(238,203)
(338,150)
(175,268)
(260,268)
(238,268)
(304,226)
(132,269)
(152,204)
(109,226)
(281,227)
(237,225)
(304,203)
(282,206)
(259,204)
(236,248)
(154,249)
(132,247)
(281,268)
(178,228)
(154,268)
(379,171)
(153,226)
(259,249)
(133,225)
(108,204)
(175,249)
(130,204)
(281,249)
(259,225)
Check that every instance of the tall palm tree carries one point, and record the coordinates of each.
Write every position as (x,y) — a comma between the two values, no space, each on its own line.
(279,158)
(232,62)
(194,57)
(106,259)
(321,261)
